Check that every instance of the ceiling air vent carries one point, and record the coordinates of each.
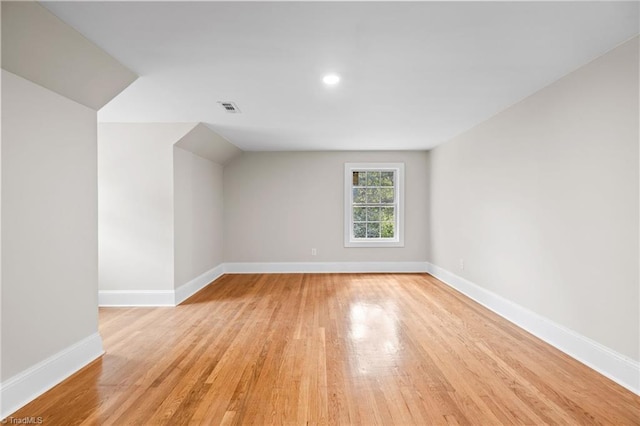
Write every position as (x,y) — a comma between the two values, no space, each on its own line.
(230,107)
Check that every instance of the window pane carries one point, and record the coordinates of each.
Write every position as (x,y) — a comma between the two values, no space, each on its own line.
(373,214)
(359,178)
(376,211)
(373,178)
(373,195)
(359,195)
(386,179)
(386,195)
(359,214)
(387,230)
(359,230)
(386,214)
(373,230)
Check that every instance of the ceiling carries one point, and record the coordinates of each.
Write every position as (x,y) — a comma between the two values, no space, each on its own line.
(413,74)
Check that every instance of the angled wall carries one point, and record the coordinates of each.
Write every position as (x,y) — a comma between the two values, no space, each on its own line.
(135,187)
(160,211)
(197,210)
(541,204)
(49,239)
(198,161)
(49,243)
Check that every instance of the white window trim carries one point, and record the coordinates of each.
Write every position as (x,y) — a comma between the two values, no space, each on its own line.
(398,240)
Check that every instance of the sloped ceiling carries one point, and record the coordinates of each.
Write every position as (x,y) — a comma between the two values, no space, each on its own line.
(414,74)
(39,47)
(205,143)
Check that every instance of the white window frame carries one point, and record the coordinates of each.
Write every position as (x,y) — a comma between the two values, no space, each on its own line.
(398,240)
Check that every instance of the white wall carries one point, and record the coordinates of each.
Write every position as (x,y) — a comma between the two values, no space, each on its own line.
(49,219)
(1,411)
(541,202)
(279,205)
(135,186)
(198,215)
(49,199)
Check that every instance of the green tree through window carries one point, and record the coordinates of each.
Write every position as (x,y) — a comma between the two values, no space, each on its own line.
(373,203)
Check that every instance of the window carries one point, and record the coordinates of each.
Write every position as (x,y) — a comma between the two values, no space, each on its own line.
(374,204)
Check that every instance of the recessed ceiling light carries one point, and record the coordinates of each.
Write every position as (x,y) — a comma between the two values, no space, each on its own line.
(331,79)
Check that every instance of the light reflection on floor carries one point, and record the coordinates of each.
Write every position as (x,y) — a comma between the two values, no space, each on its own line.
(374,340)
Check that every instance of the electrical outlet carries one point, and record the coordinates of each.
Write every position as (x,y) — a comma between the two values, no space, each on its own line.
(314,252)
(462,264)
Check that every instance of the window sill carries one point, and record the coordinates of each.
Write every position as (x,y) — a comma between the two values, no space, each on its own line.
(374,244)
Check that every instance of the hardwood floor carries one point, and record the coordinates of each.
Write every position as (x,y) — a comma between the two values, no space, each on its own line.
(392,349)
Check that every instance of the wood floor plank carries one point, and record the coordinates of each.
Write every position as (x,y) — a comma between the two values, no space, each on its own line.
(328,349)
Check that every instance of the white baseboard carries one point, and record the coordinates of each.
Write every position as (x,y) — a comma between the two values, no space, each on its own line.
(26,386)
(156,298)
(607,362)
(187,290)
(322,267)
(123,298)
